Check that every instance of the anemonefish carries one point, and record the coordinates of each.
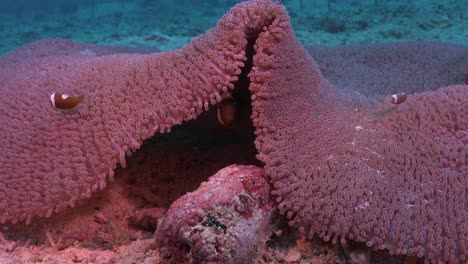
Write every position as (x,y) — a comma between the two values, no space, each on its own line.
(227,111)
(64,101)
(398,98)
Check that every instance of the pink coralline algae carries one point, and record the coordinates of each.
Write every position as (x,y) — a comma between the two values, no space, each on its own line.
(226,220)
(342,166)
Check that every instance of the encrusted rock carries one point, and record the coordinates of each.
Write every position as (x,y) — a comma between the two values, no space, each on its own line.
(226,220)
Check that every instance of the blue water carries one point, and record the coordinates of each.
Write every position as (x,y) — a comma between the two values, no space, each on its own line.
(169,24)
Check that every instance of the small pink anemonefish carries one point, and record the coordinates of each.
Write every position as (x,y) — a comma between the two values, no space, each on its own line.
(227,111)
(398,98)
(64,101)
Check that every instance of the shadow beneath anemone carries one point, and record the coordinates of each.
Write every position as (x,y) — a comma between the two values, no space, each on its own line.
(175,163)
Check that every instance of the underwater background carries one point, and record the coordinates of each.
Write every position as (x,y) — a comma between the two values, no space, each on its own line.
(118,224)
(170,24)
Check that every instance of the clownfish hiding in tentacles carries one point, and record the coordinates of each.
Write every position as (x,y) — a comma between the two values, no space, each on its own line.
(394,99)
(227,111)
(64,101)
(398,98)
